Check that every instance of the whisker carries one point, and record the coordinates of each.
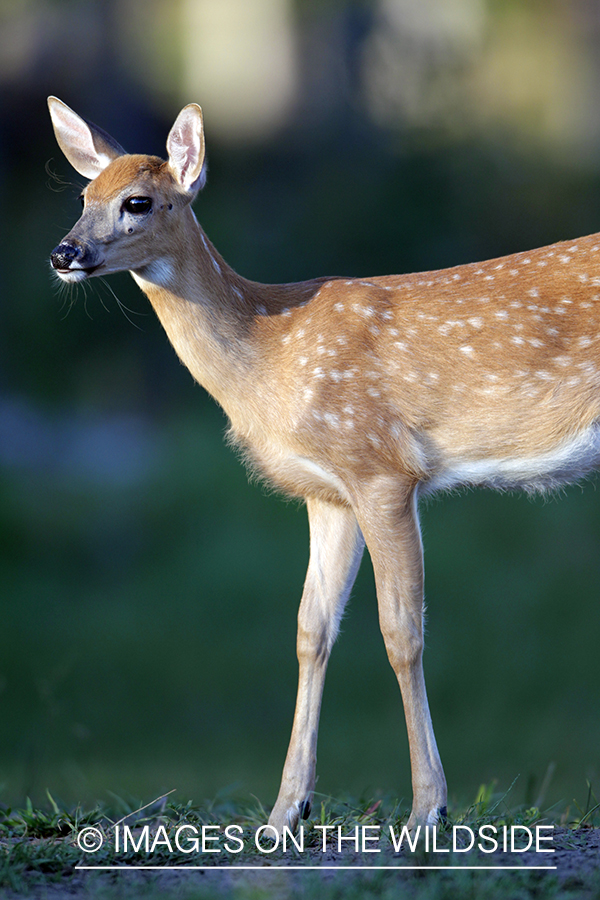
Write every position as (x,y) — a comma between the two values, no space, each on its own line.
(84,287)
(104,306)
(124,309)
(56,182)
(66,294)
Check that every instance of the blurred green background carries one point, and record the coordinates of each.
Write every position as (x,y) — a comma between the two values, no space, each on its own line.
(148,593)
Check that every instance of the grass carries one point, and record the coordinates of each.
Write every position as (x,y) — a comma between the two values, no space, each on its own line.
(39,852)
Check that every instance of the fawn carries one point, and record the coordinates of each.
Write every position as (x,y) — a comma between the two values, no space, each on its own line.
(358,395)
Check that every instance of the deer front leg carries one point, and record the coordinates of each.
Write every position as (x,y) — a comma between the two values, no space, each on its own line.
(389,521)
(336,546)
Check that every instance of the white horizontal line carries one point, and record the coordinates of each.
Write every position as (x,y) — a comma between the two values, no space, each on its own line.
(266,868)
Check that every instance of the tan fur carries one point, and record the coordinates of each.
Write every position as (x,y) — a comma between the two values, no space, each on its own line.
(360,394)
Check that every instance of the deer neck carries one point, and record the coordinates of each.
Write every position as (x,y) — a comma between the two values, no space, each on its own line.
(206,309)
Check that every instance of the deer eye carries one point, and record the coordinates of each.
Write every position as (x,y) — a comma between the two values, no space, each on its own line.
(137,205)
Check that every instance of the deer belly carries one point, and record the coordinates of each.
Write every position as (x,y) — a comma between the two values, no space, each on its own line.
(565,462)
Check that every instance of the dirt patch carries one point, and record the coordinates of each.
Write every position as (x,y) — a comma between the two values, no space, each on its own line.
(576,875)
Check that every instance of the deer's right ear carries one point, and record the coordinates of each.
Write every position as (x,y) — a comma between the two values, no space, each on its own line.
(88,148)
(187,156)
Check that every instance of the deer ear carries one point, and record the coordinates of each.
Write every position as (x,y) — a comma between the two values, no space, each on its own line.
(187,157)
(88,148)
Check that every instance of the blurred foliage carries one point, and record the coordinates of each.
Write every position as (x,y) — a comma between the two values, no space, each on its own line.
(149,593)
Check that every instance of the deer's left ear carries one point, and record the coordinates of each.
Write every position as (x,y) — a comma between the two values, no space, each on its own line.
(88,148)
(187,157)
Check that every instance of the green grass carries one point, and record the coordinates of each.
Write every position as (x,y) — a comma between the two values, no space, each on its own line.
(39,852)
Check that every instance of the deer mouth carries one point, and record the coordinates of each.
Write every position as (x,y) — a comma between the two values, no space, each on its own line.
(76,273)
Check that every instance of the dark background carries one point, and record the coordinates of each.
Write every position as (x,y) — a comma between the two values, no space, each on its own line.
(148,593)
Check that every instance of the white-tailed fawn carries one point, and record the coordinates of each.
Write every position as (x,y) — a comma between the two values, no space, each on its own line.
(358,395)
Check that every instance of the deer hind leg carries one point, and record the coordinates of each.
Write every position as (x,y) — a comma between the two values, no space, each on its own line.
(336,546)
(389,521)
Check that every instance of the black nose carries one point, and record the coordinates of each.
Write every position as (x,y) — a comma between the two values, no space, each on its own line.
(63,255)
